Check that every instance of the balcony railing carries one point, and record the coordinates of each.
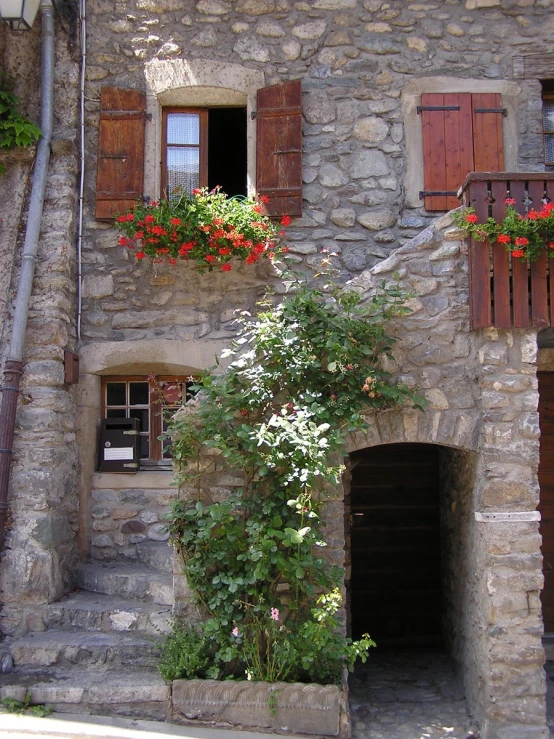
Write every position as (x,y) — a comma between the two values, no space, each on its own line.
(506,292)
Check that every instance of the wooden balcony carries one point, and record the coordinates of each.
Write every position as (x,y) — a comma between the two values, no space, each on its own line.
(506,292)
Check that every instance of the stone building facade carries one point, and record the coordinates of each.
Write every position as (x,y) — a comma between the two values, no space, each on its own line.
(364,65)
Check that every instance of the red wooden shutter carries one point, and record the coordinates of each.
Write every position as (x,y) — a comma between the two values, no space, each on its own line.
(447,146)
(279,148)
(488,149)
(119,179)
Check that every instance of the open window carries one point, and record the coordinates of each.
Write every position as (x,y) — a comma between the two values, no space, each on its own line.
(150,399)
(202,145)
(548,121)
(462,133)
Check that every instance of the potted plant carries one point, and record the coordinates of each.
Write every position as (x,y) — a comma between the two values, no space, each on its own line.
(206,228)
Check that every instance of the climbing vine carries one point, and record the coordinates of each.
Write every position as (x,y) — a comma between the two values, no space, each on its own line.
(302,376)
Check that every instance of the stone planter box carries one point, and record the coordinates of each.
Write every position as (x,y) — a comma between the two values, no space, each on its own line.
(276,707)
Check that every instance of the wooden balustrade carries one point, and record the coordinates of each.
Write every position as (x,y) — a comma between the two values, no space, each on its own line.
(503,291)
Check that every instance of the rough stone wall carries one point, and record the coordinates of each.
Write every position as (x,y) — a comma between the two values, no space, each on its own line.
(41,548)
(127,512)
(482,393)
(356,59)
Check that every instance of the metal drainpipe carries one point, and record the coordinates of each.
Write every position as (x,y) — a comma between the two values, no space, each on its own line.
(14,363)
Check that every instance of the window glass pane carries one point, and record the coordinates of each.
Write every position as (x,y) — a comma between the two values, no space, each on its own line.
(548,115)
(138,393)
(183,169)
(549,149)
(115,393)
(143,416)
(144,447)
(183,128)
(116,413)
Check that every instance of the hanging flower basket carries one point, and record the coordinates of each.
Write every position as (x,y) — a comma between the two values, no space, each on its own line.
(206,228)
(525,237)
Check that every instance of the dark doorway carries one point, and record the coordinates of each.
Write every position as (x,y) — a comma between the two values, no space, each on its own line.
(546,506)
(395,588)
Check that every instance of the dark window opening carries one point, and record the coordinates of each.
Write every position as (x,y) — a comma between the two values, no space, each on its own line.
(227,150)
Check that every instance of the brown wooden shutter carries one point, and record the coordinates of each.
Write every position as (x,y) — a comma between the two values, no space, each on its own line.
(119,180)
(279,148)
(462,133)
(447,146)
(488,149)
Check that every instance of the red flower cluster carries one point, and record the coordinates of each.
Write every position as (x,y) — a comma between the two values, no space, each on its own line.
(524,236)
(206,228)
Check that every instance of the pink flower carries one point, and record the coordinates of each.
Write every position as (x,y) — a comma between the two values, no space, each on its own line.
(275,614)
(235,631)
(510,201)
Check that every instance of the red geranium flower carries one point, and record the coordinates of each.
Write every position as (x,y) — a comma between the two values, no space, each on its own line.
(518,253)
(209,258)
(140,255)
(472,218)
(226,267)
(521,241)
(286,221)
(510,201)
(504,238)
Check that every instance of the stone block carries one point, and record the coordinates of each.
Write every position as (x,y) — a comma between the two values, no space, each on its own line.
(286,707)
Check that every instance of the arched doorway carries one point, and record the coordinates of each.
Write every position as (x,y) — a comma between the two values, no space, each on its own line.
(396,585)
(411,513)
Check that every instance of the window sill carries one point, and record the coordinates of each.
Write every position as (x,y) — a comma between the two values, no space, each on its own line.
(157,479)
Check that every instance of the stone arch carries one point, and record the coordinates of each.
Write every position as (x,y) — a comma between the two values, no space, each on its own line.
(196,82)
(442,427)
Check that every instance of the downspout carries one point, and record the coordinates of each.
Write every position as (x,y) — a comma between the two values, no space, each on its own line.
(14,363)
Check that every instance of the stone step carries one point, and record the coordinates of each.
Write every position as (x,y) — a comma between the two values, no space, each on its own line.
(83,648)
(108,613)
(133,580)
(159,557)
(132,693)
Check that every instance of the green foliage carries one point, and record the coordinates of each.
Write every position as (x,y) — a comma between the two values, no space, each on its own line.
(12,705)
(185,653)
(15,129)
(303,374)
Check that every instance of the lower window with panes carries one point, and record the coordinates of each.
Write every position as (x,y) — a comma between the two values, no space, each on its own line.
(151,399)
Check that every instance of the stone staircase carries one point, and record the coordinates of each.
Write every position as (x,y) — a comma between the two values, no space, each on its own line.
(99,651)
